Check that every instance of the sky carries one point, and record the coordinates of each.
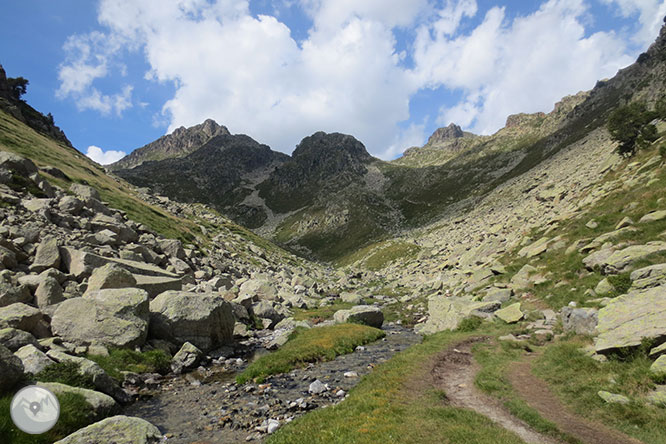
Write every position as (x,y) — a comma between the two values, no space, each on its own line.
(117,74)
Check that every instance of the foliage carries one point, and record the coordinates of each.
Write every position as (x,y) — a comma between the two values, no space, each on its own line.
(310,345)
(628,125)
(18,86)
(470,324)
(65,373)
(120,360)
(75,413)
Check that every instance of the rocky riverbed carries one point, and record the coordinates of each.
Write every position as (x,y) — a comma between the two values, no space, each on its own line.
(208,406)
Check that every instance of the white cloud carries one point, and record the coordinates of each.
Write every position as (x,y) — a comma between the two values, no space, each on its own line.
(650,17)
(248,73)
(524,65)
(104,157)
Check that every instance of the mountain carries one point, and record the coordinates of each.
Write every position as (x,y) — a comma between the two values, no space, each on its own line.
(181,142)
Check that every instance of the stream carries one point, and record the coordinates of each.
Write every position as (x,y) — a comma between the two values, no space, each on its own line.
(207,406)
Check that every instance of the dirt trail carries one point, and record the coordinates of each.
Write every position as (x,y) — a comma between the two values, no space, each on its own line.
(536,393)
(454,371)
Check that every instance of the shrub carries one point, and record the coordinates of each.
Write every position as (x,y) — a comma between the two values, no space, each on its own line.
(625,125)
(120,360)
(470,324)
(65,373)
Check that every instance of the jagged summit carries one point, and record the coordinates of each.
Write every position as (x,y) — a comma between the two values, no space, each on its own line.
(181,142)
(452,131)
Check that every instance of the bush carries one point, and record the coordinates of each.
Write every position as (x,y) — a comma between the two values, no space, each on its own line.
(627,123)
(470,324)
(120,360)
(66,373)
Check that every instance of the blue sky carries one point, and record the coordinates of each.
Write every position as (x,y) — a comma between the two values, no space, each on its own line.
(117,74)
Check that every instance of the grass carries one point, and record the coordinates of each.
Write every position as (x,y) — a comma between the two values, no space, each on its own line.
(310,345)
(390,253)
(121,360)
(494,361)
(577,378)
(66,373)
(75,413)
(396,404)
(320,313)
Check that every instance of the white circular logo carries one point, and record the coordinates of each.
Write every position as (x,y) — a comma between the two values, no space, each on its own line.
(34,409)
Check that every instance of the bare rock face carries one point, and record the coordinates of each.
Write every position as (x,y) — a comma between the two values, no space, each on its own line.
(11,369)
(440,135)
(203,319)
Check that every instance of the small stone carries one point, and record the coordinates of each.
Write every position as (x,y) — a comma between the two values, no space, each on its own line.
(592,224)
(510,314)
(658,367)
(317,387)
(273,425)
(351,375)
(613,398)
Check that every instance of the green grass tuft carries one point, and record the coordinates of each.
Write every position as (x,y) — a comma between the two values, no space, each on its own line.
(310,345)
(120,360)
(65,373)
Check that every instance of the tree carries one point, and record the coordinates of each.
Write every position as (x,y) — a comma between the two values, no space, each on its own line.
(18,86)
(625,125)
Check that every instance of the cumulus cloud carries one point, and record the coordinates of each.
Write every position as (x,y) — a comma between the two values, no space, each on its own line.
(650,16)
(104,157)
(248,73)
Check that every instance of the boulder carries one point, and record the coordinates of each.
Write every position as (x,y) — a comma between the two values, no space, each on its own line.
(117,430)
(14,339)
(81,264)
(653,217)
(629,318)
(12,294)
(70,205)
(11,369)
(187,357)
(582,321)
(598,258)
(510,314)
(524,278)
(84,192)
(651,276)
(613,398)
(351,298)
(658,367)
(14,162)
(114,317)
(154,285)
(204,319)
(498,294)
(111,275)
(622,260)
(7,258)
(102,381)
(658,396)
(172,248)
(21,316)
(33,359)
(48,292)
(266,310)
(47,255)
(361,314)
(604,287)
(535,249)
(102,405)
(261,288)
(447,313)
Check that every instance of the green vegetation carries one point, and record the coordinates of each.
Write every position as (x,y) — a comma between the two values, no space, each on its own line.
(470,324)
(388,254)
(65,373)
(18,86)
(397,403)
(628,125)
(310,345)
(320,313)
(120,360)
(75,413)
(577,378)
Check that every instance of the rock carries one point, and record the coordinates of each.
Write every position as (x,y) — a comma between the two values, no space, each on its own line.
(117,430)
(102,404)
(604,287)
(592,224)
(317,387)
(627,319)
(658,396)
(260,288)
(523,279)
(84,192)
(582,321)
(279,340)
(12,294)
(447,313)
(656,351)
(273,425)
(11,367)
(7,258)
(612,398)
(658,367)
(22,317)
(110,276)
(623,259)
(351,298)
(172,248)
(498,294)
(625,222)
(598,258)
(510,314)
(14,339)
(646,277)
(48,292)
(653,217)
(154,285)
(535,249)
(204,320)
(102,381)
(265,310)
(21,165)
(187,357)
(81,264)
(351,375)
(33,359)
(70,205)
(361,314)
(47,255)
(114,317)
(36,205)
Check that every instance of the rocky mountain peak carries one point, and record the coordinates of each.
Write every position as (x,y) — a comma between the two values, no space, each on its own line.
(440,135)
(324,145)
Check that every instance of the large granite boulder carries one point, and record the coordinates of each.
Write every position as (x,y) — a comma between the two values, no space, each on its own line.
(14,339)
(111,275)
(11,369)
(116,317)
(47,255)
(651,276)
(623,260)
(582,321)
(187,357)
(48,292)
(117,430)
(361,314)
(81,264)
(154,285)
(627,319)
(22,317)
(102,404)
(203,319)
(12,294)
(447,313)
(510,314)
(33,359)
(262,289)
